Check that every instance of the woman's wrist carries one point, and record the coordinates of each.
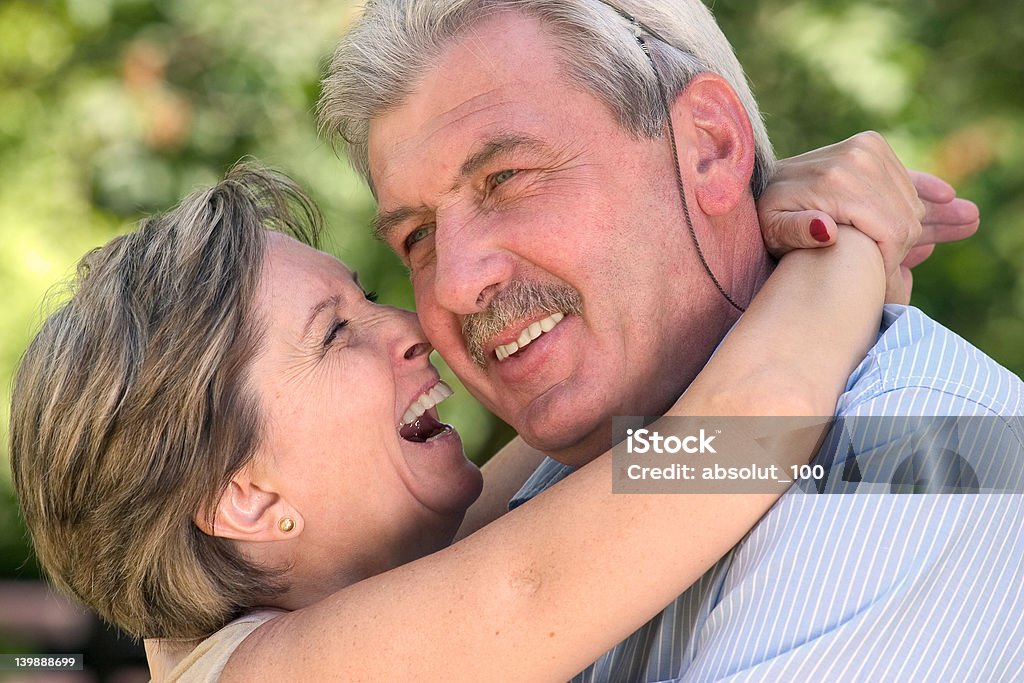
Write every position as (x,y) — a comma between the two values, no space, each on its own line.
(809,326)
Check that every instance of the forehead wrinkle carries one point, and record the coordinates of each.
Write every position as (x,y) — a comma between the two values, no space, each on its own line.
(480,103)
(408,146)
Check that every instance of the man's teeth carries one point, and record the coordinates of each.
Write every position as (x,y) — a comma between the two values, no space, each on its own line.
(529,333)
(426,401)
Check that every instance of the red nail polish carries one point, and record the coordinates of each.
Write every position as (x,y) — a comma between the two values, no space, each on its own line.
(818,230)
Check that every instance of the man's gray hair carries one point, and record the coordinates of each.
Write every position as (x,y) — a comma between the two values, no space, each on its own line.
(391,46)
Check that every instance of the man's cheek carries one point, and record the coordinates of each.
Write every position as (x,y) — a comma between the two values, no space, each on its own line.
(444,332)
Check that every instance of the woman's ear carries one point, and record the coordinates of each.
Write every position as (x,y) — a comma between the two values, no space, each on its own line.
(249,511)
(722,142)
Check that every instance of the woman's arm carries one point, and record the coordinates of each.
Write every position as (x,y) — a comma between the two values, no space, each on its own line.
(795,338)
(504,474)
(547,588)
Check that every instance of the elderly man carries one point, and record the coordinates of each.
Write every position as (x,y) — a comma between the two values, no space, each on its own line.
(572,186)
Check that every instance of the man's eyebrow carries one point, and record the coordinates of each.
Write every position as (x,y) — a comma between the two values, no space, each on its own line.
(386,221)
(496,146)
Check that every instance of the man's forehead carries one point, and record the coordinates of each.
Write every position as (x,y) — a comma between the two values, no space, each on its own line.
(473,86)
(400,135)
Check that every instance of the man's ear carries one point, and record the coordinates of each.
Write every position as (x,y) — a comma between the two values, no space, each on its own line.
(249,511)
(722,140)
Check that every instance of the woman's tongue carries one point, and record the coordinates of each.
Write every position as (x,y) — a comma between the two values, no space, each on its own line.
(422,428)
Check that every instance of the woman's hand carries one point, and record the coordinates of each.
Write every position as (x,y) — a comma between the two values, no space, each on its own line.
(860,181)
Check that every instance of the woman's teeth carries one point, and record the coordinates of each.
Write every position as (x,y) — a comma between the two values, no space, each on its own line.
(529,333)
(426,401)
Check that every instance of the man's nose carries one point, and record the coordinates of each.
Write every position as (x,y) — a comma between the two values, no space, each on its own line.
(471,266)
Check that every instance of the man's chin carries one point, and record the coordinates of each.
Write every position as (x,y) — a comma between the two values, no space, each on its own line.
(574,446)
(564,423)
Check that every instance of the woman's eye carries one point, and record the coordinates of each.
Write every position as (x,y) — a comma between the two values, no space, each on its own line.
(418,234)
(503,176)
(371,296)
(335,330)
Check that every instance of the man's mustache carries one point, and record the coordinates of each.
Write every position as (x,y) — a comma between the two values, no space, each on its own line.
(517,300)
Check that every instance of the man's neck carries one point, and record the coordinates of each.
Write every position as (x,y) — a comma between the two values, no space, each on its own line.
(742,263)
(742,283)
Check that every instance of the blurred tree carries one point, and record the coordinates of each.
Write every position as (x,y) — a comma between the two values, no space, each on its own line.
(942,80)
(113,108)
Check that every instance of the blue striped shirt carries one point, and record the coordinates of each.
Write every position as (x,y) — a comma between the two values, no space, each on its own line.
(869,586)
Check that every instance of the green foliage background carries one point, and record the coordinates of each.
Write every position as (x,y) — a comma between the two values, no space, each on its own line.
(113,108)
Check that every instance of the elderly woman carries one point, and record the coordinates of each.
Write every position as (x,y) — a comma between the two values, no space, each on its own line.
(223,445)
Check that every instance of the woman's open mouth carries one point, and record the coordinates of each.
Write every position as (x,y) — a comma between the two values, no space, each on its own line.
(420,422)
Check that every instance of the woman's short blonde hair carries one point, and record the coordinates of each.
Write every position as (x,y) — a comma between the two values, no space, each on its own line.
(132,410)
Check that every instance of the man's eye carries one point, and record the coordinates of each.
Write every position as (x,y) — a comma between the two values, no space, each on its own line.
(503,176)
(418,234)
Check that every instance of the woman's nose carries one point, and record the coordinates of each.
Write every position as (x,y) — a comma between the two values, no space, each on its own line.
(410,343)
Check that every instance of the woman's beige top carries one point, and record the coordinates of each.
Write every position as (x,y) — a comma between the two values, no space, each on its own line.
(201,660)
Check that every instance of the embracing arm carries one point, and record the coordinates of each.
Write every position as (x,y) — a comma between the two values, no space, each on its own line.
(514,601)
(859,181)
(798,330)
(504,474)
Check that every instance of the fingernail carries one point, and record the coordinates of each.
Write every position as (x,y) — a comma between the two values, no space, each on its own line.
(818,230)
